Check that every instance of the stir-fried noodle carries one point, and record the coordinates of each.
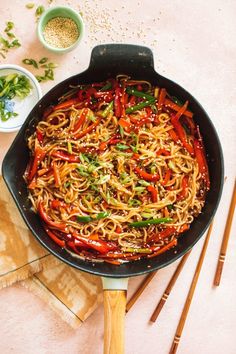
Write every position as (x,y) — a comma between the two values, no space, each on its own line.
(117,170)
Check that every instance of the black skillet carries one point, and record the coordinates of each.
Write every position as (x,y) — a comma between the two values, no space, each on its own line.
(107,61)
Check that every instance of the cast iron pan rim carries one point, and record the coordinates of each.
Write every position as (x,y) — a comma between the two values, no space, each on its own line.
(87,265)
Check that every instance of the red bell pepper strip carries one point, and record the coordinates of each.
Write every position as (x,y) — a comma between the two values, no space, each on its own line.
(162,249)
(154,193)
(39,136)
(110,261)
(163,234)
(190,124)
(38,157)
(33,184)
(176,107)
(66,104)
(147,176)
(55,204)
(124,124)
(163,152)
(184,187)
(180,130)
(56,239)
(76,243)
(161,99)
(117,102)
(131,102)
(88,129)
(112,141)
(173,135)
(184,228)
(167,177)
(44,216)
(65,156)
(181,111)
(56,174)
(100,246)
(201,160)
(106,96)
(143,121)
(118,230)
(123,101)
(81,119)
(136,156)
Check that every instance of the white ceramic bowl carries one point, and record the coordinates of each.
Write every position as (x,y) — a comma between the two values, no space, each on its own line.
(22,107)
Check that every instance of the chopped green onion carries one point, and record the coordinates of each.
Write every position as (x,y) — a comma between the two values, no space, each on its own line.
(107,110)
(106,87)
(82,171)
(134,148)
(67,184)
(146,215)
(122,146)
(139,106)
(30,5)
(10,26)
(30,62)
(134,202)
(144,223)
(40,9)
(69,147)
(102,215)
(91,116)
(12,85)
(139,189)
(144,183)
(91,168)
(5,44)
(49,65)
(177,101)
(104,179)
(84,219)
(43,60)
(136,250)
(121,131)
(136,93)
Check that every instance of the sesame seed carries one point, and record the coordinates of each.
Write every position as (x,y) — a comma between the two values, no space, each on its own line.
(61,32)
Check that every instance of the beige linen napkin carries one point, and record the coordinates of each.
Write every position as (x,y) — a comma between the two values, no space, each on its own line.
(20,254)
(72,294)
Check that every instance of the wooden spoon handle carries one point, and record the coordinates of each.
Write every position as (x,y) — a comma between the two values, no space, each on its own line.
(114,315)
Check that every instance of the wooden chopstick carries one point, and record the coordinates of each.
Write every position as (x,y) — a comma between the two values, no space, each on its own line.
(169,287)
(225,239)
(140,290)
(188,301)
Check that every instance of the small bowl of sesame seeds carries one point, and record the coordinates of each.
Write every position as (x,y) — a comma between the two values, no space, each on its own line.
(60,29)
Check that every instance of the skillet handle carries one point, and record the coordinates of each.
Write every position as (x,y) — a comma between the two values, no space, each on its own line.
(114,314)
(122,55)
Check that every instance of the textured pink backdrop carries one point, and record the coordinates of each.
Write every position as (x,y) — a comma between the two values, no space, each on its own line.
(193,44)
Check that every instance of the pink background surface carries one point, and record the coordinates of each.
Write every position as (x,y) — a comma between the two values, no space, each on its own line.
(193,44)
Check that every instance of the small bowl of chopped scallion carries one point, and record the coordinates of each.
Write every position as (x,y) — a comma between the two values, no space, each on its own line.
(19,92)
(60,29)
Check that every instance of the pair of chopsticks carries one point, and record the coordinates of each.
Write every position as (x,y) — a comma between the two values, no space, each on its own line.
(218,273)
(180,266)
(169,288)
(225,239)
